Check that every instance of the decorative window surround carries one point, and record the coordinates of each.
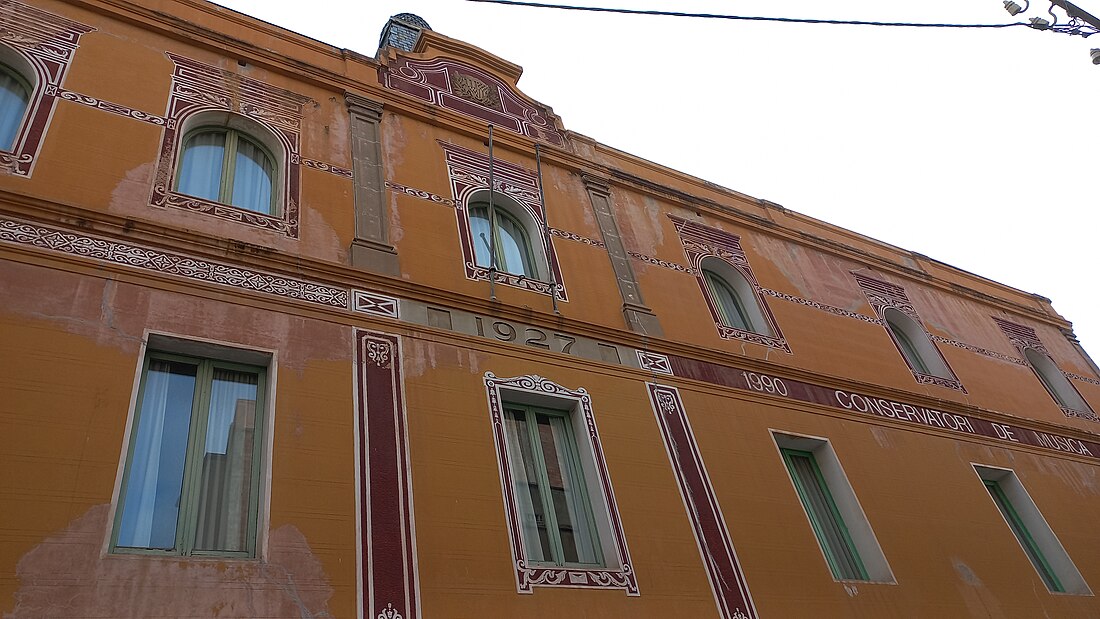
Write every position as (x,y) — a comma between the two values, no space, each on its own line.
(45,44)
(468,90)
(1027,342)
(883,296)
(198,87)
(388,576)
(469,174)
(701,242)
(618,572)
(731,592)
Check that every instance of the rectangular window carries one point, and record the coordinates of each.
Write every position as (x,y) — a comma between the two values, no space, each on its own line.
(1035,536)
(843,533)
(554,509)
(192,478)
(825,518)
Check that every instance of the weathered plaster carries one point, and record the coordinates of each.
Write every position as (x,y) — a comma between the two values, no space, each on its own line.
(66,576)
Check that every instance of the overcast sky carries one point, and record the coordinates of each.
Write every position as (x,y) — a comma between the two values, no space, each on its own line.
(974,147)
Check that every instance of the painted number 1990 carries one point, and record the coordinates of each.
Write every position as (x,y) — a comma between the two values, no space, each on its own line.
(765,383)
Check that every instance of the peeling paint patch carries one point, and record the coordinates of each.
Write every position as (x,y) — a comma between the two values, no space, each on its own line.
(133,191)
(65,576)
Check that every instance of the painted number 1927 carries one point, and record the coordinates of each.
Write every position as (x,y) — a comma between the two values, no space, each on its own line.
(530,336)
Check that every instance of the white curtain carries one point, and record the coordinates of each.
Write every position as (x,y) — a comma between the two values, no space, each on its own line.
(151,504)
(514,249)
(573,524)
(13,105)
(525,486)
(227,462)
(201,168)
(252,178)
(479,228)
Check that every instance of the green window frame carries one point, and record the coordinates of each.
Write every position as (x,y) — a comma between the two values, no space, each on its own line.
(234,144)
(825,519)
(194,462)
(547,471)
(1031,548)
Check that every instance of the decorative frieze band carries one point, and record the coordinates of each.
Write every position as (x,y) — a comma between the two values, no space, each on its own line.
(326,167)
(170,263)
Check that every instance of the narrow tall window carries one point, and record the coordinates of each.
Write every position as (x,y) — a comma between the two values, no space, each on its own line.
(1031,530)
(1055,382)
(828,525)
(14,98)
(915,346)
(554,508)
(225,165)
(1031,549)
(511,244)
(191,485)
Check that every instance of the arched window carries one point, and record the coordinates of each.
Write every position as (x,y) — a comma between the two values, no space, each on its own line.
(512,243)
(226,165)
(15,95)
(733,297)
(914,345)
(1055,382)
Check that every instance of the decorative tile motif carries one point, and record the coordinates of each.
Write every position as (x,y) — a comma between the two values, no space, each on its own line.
(976,349)
(326,167)
(1084,379)
(573,236)
(198,87)
(1086,415)
(47,43)
(731,592)
(374,303)
(701,242)
(832,309)
(386,553)
(420,193)
(654,362)
(620,572)
(660,263)
(106,106)
(172,264)
(884,295)
(469,173)
(468,90)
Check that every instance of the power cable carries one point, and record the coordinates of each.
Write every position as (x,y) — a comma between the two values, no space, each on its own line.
(788,20)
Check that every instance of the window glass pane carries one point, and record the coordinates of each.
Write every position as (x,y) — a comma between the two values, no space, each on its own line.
(226,480)
(201,167)
(525,483)
(908,350)
(1031,549)
(567,494)
(479,228)
(514,254)
(826,522)
(730,309)
(150,509)
(13,104)
(253,176)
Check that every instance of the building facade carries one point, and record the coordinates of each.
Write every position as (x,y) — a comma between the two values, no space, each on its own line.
(288,330)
